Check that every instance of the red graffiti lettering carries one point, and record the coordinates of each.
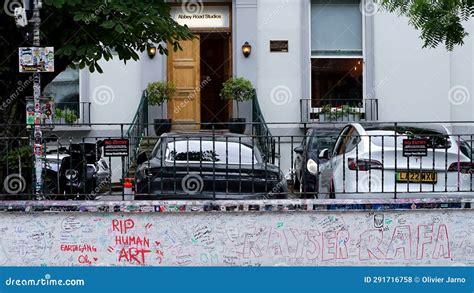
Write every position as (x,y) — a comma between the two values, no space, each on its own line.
(133,255)
(400,242)
(442,243)
(122,226)
(370,241)
(425,237)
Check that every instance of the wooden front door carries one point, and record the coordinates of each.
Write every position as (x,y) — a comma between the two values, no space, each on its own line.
(184,73)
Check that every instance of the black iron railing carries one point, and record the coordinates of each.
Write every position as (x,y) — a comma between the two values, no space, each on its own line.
(346,110)
(136,131)
(262,132)
(341,161)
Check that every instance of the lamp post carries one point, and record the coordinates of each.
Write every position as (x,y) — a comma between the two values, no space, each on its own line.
(37,134)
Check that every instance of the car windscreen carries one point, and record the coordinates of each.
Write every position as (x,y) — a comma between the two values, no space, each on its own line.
(220,152)
(323,141)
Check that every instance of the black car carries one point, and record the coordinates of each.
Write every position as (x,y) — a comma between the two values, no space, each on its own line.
(203,165)
(315,140)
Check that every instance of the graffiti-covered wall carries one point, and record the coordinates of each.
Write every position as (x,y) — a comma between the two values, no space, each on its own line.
(413,237)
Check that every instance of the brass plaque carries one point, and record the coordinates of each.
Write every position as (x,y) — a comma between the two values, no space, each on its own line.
(279,46)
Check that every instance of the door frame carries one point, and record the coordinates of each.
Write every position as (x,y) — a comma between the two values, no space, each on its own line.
(198,31)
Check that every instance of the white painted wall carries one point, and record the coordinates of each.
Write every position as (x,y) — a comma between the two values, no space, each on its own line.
(115,94)
(280,74)
(349,238)
(411,83)
(462,78)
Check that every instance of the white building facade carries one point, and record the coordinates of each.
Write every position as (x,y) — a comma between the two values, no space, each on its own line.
(305,53)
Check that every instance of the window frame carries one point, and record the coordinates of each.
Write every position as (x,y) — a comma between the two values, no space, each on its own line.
(81,101)
(363,56)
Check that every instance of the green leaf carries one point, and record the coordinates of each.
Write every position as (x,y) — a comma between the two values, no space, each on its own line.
(119,28)
(108,24)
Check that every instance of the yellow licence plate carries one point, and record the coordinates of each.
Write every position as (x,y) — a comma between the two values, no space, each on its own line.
(417,177)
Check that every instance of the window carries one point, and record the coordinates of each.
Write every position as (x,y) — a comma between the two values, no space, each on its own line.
(336,28)
(324,140)
(64,89)
(353,141)
(336,54)
(339,149)
(336,82)
(209,152)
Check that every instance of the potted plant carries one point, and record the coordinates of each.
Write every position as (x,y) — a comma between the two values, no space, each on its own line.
(66,115)
(347,113)
(340,113)
(326,113)
(157,93)
(240,90)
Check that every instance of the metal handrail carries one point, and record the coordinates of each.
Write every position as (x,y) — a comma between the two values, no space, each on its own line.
(263,134)
(136,131)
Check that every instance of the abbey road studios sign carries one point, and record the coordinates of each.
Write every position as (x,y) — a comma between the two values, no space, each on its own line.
(200,16)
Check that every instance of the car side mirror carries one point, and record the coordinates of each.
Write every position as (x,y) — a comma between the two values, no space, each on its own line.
(324,154)
(142,158)
(299,150)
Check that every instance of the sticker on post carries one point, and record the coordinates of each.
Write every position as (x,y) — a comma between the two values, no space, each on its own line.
(36,59)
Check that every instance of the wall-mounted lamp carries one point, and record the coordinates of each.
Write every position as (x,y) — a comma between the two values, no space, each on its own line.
(246,49)
(151,50)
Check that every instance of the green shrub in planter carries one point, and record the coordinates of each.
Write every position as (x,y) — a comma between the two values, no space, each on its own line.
(157,93)
(70,116)
(340,113)
(238,89)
